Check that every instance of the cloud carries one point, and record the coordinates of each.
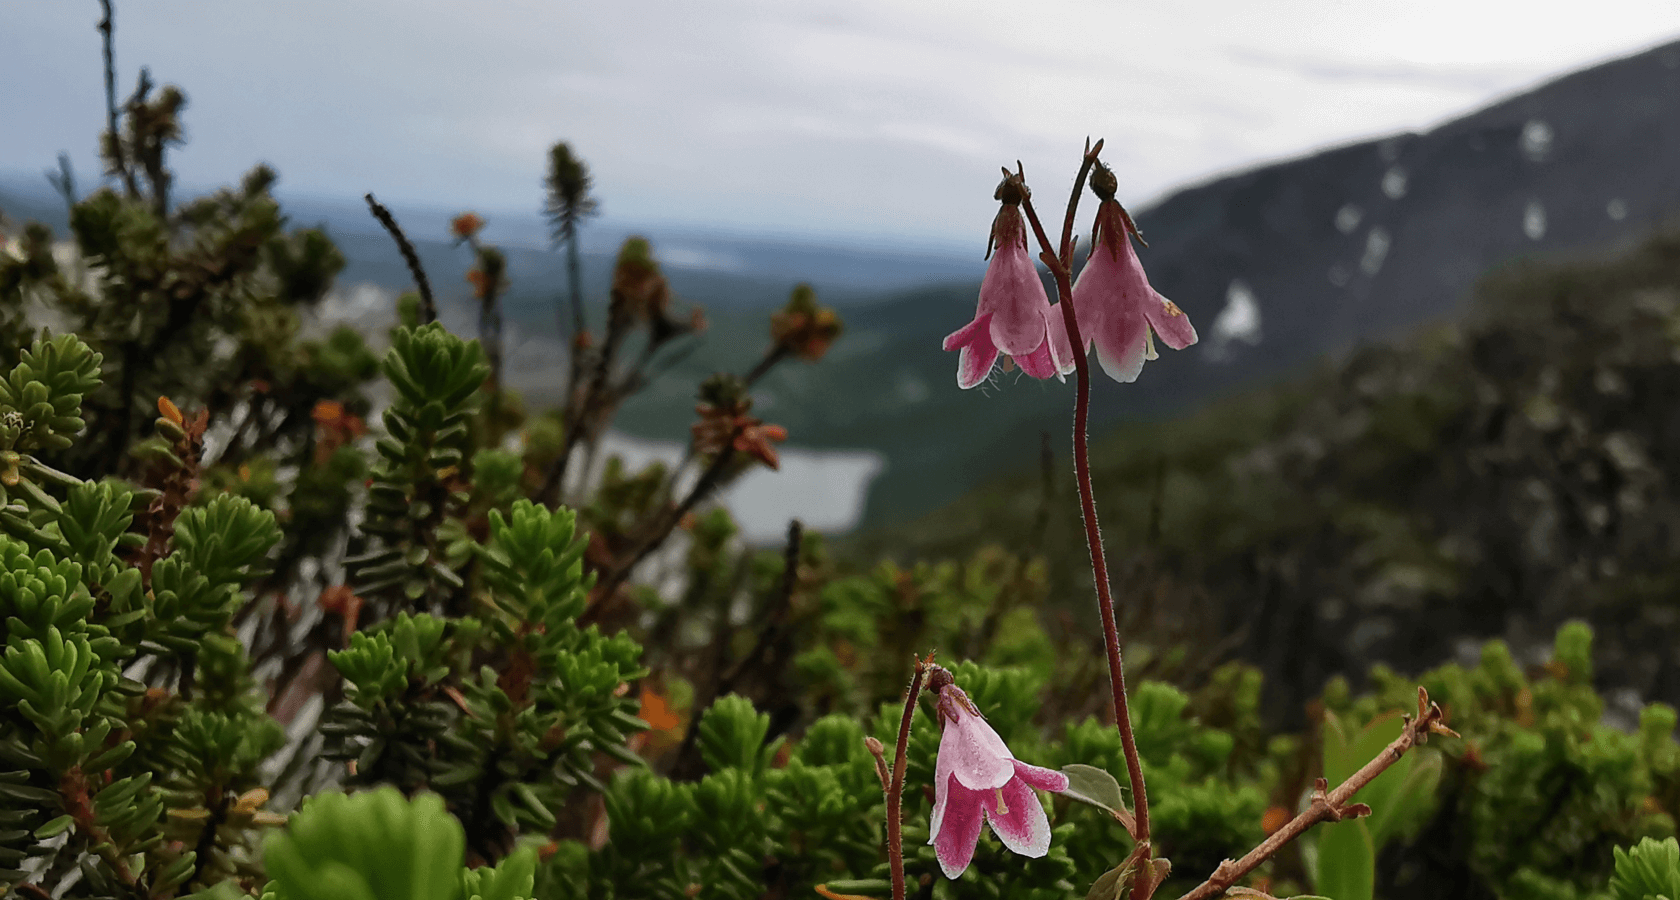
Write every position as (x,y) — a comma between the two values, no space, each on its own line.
(867,118)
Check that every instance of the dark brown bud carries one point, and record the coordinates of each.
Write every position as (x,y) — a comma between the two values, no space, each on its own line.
(1010,191)
(1103,182)
(939,678)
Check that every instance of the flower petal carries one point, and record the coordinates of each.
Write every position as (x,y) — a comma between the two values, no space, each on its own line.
(1117,306)
(967,334)
(1014,294)
(1122,344)
(1039,363)
(976,755)
(958,829)
(1169,321)
(941,794)
(978,354)
(1022,826)
(1061,351)
(1041,778)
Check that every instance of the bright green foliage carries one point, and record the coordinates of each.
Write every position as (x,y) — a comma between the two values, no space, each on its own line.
(395,710)
(1347,862)
(381,846)
(732,736)
(534,562)
(1541,786)
(511,879)
(830,801)
(379,664)
(94,527)
(1649,871)
(818,816)
(218,547)
(45,389)
(40,409)
(87,760)
(866,625)
(436,376)
(504,744)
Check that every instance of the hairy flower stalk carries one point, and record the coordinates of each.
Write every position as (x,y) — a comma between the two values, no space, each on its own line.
(976,780)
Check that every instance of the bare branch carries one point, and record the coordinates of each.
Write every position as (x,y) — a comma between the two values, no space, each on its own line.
(428,306)
(1330,806)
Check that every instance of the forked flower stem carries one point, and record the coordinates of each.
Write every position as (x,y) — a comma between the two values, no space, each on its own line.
(1060,264)
(895,788)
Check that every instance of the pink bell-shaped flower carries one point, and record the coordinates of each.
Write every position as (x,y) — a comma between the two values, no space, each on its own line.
(1117,308)
(977,779)
(1014,316)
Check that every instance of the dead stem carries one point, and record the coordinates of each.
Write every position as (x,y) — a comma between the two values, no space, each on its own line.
(428,306)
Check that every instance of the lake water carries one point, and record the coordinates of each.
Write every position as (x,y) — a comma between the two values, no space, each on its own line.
(824,489)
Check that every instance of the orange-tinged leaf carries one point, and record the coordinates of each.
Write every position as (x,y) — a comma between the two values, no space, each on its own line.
(657,712)
(831,895)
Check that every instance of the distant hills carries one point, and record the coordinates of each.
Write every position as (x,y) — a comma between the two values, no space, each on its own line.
(1278,266)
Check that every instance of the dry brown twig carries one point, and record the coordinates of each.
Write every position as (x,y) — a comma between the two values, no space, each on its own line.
(1330,805)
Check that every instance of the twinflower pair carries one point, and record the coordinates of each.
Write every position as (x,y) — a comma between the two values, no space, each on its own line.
(1116,308)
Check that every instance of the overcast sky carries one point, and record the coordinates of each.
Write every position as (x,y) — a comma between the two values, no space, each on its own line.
(874,119)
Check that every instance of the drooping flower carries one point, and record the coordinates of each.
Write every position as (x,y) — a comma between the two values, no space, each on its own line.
(1014,316)
(1116,307)
(977,779)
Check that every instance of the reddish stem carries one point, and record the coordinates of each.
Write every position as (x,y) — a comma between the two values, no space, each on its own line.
(1060,267)
(895,790)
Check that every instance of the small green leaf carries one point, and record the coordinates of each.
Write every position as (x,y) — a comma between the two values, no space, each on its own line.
(1089,784)
(1346,861)
(1112,884)
(53,829)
